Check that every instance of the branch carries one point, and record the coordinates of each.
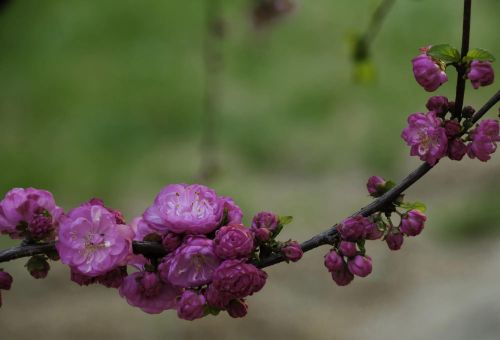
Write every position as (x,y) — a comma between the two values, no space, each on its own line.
(155,250)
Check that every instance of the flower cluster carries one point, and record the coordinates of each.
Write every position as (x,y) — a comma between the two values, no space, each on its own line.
(434,135)
(429,67)
(348,258)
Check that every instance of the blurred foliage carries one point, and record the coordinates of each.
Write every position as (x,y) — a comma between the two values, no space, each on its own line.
(105,98)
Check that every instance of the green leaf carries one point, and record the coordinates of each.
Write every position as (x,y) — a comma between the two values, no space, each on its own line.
(284,220)
(415,205)
(445,53)
(479,54)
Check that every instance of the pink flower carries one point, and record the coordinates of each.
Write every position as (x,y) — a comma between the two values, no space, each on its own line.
(372,232)
(5,283)
(217,299)
(428,73)
(233,212)
(394,240)
(348,248)
(292,251)
(191,305)
(413,222)
(142,229)
(171,241)
(343,276)
(237,308)
(481,73)
(353,228)
(91,242)
(25,210)
(146,291)
(266,220)
(360,265)
(452,128)
(375,186)
(182,208)
(333,261)
(233,241)
(484,140)
(426,137)
(456,149)
(438,104)
(192,264)
(238,279)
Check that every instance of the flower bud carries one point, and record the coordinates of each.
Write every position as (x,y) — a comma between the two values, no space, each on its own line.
(333,261)
(5,280)
(427,72)
(456,149)
(292,251)
(191,305)
(372,232)
(481,73)
(394,240)
(348,248)
(375,186)
(452,128)
(237,308)
(353,228)
(38,266)
(360,265)
(343,276)
(438,104)
(468,111)
(171,241)
(262,234)
(41,225)
(412,223)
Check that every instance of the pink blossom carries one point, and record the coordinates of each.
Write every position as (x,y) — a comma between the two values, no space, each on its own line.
(375,186)
(333,261)
(484,140)
(237,308)
(353,228)
(413,222)
(452,128)
(146,291)
(233,241)
(25,208)
(216,298)
(5,283)
(192,264)
(428,73)
(348,248)
(426,137)
(394,240)
(265,220)
(292,251)
(481,73)
(438,104)
(182,208)
(234,214)
(191,305)
(360,265)
(238,279)
(343,276)
(456,149)
(372,232)
(91,242)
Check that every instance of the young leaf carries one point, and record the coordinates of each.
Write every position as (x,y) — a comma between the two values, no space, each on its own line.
(444,53)
(285,220)
(415,205)
(480,55)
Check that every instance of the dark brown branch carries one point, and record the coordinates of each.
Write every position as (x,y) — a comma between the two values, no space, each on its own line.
(461,68)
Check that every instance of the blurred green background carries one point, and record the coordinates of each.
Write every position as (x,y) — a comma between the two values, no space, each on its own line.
(105,99)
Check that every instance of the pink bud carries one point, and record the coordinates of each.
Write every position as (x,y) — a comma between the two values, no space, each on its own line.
(360,265)
(262,234)
(394,240)
(292,251)
(342,277)
(456,149)
(5,280)
(412,223)
(481,73)
(348,248)
(375,186)
(237,308)
(452,128)
(428,73)
(438,104)
(333,261)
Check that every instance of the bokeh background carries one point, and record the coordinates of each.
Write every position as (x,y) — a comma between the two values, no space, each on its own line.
(106,99)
